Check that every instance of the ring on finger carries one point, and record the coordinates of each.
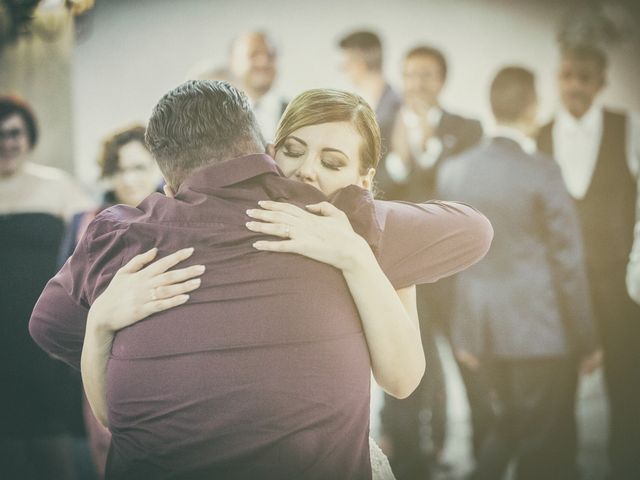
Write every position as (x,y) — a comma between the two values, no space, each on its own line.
(287,231)
(154,297)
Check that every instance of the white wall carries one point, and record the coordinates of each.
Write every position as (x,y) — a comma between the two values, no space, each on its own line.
(132,52)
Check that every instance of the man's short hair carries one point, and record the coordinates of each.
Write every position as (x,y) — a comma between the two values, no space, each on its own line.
(512,92)
(427,51)
(586,53)
(368,45)
(11,105)
(198,123)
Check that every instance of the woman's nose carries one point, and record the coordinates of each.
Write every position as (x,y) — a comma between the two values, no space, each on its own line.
(307,170)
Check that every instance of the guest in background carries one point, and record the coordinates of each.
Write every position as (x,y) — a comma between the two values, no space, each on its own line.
(424,133)
(40,404)
(424,136)
(362,63)
(132,174)
(598,152)
(524,314)
(253,65)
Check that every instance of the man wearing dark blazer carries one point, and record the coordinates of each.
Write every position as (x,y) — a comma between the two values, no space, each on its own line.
(362,63)
(598,151)
(523,315)
(424,136)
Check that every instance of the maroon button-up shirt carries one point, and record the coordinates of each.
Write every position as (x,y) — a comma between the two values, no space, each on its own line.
(265,372)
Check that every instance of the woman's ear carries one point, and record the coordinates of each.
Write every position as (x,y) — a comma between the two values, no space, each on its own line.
(366,181)
(271,150)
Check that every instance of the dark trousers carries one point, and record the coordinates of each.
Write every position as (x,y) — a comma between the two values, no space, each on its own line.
(479,396)
(621,347)
(415,427)
(535,420)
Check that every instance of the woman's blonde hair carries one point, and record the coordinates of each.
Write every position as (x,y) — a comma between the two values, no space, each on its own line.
(324,105)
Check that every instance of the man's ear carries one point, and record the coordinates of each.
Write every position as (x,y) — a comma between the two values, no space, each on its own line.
(271,150)
(168,191)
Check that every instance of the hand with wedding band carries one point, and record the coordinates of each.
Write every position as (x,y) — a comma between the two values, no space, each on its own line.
(141,288)
(321,232)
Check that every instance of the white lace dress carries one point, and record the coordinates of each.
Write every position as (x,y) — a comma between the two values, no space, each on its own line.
(379,463)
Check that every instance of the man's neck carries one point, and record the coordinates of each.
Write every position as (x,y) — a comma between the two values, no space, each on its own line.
(522,128)
(372,87)
(519,132)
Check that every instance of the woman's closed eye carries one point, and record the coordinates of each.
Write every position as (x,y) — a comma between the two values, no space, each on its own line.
(332,163)
(293,152)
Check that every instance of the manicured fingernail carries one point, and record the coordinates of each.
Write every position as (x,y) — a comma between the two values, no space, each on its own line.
(189,250)
(262,203)
(184,298)
(194,282)
(250,212)
(200,268)
(249,225)
(257,244)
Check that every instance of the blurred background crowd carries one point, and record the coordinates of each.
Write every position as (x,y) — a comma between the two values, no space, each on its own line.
(468,95)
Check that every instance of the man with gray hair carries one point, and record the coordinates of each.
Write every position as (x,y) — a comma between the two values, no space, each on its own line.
(362,62)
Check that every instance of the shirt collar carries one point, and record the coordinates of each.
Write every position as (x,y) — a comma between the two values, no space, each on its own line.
(527,144)
(232,171)
(412,119)
(589,122)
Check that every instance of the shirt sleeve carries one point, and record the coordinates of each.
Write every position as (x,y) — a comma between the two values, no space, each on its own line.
(421,243)
(59,317)
(633,144)
(633,156)
(633,267)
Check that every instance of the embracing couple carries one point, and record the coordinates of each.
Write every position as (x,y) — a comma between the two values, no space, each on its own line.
(256,356)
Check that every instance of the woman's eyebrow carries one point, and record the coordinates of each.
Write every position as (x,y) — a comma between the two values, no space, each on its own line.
(297,140)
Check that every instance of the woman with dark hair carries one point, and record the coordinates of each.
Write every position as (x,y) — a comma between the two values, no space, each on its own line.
(130,174)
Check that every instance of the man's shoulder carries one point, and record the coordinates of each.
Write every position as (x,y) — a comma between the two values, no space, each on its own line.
(117,215)
(105,231)
(459,133)
(481,150)
(455,120)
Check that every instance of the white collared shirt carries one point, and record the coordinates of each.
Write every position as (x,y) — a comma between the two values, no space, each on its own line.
(526,143)
(426,154)
(576,145)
